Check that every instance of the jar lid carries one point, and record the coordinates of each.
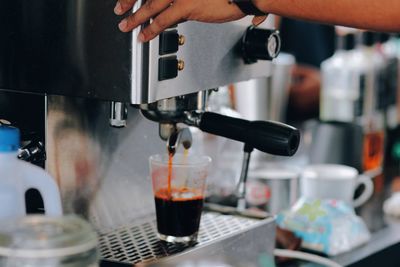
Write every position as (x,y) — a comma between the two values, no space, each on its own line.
(46,237)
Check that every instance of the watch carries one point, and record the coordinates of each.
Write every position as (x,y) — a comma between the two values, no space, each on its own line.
(248,7)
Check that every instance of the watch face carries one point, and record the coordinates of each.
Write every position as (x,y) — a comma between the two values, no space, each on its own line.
(274,45)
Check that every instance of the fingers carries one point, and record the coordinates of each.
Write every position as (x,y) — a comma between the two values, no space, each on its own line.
(143,14)
(170,12)
(123,6)
(257,20)
(172,15)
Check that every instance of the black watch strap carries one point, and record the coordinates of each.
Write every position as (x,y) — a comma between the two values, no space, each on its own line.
(248,7)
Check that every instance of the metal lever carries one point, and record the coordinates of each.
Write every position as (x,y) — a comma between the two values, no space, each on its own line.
(118,114)
(241,187)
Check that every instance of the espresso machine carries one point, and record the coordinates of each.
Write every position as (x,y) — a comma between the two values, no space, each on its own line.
(86,97)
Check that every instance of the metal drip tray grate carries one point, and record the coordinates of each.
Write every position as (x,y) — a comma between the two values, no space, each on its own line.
(140,243)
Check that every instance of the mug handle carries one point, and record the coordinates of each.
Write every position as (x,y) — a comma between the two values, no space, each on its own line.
(368,190)
(38,179)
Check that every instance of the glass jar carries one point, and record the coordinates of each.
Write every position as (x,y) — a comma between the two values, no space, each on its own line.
(40,241)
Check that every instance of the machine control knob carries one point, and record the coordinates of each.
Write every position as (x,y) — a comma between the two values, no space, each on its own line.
(181,40)
(259,44)
(181,65)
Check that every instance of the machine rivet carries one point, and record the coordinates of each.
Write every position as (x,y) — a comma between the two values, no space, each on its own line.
(181,40)
(181,64)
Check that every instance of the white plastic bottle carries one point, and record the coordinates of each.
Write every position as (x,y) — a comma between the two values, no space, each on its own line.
(339,90)
(17,176)
(369,64)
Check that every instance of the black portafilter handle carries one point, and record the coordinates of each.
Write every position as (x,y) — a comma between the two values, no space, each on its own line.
(267,136)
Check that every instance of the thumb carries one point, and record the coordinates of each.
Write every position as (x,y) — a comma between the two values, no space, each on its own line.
(257,20)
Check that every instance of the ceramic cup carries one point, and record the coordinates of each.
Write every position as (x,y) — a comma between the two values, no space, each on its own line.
(332,181)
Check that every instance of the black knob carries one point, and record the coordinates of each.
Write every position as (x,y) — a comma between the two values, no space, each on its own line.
(267,136)
(260,44)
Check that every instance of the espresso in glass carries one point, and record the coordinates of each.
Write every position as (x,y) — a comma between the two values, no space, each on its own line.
(178,186)
(177,216)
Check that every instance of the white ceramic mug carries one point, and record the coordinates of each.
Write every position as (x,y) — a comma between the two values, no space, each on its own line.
(332,181)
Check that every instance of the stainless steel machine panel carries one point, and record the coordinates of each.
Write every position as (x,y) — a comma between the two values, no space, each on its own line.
(211,60)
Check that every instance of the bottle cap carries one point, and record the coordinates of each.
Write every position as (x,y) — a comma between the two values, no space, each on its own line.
(350,42)
(9,138)
(369,38)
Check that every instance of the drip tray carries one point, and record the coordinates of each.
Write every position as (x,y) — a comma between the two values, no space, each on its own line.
(138,243)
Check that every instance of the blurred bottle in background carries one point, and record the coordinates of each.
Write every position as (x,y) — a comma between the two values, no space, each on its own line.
(353,91)
(389,47)
(337,138)
(340,89)
(370,65)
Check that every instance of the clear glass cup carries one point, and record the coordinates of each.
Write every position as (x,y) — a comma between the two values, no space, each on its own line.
(179,184)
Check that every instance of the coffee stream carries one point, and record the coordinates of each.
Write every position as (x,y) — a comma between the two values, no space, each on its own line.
(170,162)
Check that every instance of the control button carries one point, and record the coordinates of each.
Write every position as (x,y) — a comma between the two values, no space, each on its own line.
(260,44)
(169,42)
(181,65)
(167,68)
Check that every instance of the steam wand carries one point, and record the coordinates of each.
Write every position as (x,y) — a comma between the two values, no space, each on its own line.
(241,187)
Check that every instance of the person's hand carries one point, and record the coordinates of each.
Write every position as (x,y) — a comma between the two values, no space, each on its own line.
(305,88)
(169,12)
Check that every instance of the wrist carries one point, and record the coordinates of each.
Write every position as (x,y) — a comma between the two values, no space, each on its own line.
(247,7)
(262,5)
